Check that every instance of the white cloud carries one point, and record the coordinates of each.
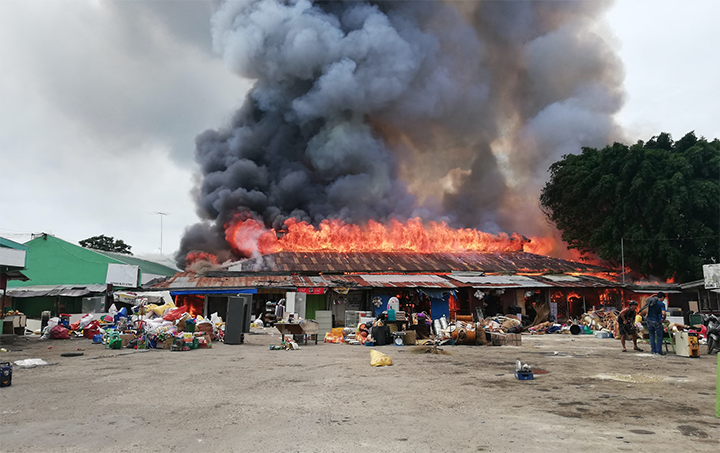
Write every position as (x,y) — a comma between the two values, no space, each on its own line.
(100,103)
(670,52)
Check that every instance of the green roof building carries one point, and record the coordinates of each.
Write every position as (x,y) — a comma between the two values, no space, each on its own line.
(61,274)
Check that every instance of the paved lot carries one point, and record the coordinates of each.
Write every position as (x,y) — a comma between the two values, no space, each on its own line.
(586,395)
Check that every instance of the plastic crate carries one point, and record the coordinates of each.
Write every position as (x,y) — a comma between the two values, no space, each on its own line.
(524,375)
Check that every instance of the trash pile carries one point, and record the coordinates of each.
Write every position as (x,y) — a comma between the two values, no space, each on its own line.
(145,326)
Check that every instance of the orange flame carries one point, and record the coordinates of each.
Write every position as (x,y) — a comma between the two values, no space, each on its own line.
(194,257)
(250,237)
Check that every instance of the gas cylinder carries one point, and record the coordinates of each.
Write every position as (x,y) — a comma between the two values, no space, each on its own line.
(693,345)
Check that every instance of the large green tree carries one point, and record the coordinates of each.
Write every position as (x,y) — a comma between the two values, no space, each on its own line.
(106,243)
(660,199)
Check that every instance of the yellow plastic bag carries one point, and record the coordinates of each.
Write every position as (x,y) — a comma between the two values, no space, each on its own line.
(161,309)
(377,358)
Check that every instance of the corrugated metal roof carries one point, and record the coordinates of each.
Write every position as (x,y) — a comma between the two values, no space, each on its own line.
(408,281)
(225,280)
(56,290)
(371,262)
(579,281)
(329,281)
(499,281)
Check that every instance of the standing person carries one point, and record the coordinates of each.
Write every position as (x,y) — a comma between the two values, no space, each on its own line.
(626,325)
(655,317)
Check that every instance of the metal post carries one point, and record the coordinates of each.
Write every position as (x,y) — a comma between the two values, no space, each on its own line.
(161,214)
(622,253)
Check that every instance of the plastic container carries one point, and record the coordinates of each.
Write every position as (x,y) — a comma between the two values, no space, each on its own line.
(524,375)
(98,338)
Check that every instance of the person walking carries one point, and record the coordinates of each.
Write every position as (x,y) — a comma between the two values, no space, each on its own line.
(626,325)
(655,317)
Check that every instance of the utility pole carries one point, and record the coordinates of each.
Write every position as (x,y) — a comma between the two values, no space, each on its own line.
(161,214)
(622,253)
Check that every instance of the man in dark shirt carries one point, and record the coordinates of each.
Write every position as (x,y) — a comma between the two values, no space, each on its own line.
(626,325)
(655,317)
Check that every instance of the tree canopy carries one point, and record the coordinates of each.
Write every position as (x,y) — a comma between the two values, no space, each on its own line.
(106,243)
(660,199)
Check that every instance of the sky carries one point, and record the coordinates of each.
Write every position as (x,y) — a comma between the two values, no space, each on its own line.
(101,101)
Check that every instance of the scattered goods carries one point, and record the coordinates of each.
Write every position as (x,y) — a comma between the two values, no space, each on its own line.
(523,371)
(145,326)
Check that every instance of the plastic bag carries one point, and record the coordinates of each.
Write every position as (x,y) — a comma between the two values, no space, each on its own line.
(85,320)
(59,333)
(30,363)
(377,358)
(174,314)
(160,310)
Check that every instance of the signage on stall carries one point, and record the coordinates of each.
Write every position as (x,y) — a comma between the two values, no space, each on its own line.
(313,290)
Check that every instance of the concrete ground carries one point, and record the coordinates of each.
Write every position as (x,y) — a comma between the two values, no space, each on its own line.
(586,395)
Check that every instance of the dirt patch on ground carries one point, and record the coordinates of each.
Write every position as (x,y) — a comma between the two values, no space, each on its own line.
(327,398)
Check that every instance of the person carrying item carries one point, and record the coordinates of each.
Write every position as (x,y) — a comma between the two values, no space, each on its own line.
(655,317)
(626,325)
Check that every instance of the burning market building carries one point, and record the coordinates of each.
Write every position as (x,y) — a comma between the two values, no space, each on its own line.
(442,284)
(386,147)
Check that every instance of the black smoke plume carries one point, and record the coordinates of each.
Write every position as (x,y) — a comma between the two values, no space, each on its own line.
(375,110)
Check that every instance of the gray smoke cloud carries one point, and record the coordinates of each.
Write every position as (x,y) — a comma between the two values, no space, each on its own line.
(376,110)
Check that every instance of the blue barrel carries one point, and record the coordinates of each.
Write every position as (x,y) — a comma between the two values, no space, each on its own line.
(97,338)
(5,374)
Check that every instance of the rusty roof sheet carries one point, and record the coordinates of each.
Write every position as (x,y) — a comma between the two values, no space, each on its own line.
(408,281)
(576,281)
(499,281)
(373,262)
(186,280)
(192,280)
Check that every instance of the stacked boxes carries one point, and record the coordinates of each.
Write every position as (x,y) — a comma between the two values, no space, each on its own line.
(505,339)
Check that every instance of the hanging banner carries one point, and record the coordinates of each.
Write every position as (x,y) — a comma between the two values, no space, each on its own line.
(313,290)
(711,272)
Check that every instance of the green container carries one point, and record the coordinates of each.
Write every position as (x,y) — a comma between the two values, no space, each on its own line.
(190,327)
(695,319)
(195,343)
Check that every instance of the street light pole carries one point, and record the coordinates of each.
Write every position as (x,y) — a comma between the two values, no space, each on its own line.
(161,214)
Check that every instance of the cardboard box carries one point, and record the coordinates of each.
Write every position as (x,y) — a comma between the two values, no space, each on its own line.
(498,339)
(126,338)
(207,344)
(167,343)
(513,339)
